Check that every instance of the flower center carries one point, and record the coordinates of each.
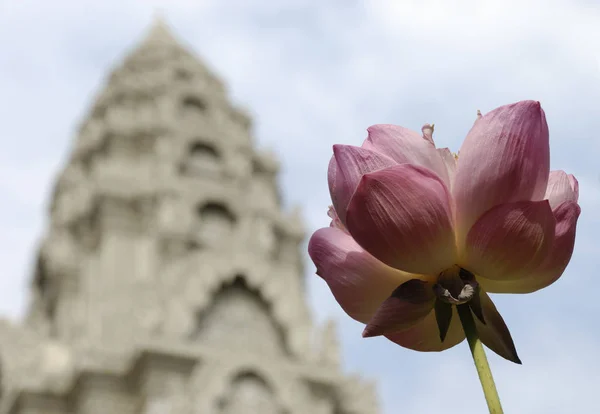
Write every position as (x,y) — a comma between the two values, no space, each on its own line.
(455,287)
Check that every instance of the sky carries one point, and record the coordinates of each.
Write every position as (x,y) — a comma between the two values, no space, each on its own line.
(318,73)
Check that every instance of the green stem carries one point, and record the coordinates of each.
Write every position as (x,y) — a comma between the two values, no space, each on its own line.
(481,363)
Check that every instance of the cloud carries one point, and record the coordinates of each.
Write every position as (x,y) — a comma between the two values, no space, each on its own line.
(553,350)
(318,75)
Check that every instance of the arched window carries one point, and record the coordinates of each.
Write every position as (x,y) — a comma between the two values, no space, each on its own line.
(203,149)
(239,316)
(182,74)
(193,106)
(248,393)
(216,224)
(201,158)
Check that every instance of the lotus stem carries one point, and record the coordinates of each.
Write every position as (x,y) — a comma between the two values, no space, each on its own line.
(480,360)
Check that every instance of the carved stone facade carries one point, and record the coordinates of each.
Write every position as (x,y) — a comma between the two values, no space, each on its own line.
(171,280)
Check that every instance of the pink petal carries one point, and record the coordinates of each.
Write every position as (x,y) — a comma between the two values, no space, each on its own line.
(402,216)
(450,162)
(332,174)
(574,185)
(346,168)
(359,282)
(424,336)
(494,333)
(405,146)
(510,240)
(504,158)
(553,266)
(561,188)
(335,220)
(427,131)
(408,303)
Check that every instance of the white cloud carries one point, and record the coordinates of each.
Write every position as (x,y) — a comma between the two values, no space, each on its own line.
(553,379)
(314,76)
(501,28)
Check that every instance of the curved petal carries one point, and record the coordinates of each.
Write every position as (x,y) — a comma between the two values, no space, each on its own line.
(450,161)
(510,240)
(494,333)
(561,188)
(401,215)
(332,174)
(335,220)
(574,185)
(554,265)
(405,146)
(427,131)
(346,168)
(424,336)
(504,158)
(408,303)
(359,282)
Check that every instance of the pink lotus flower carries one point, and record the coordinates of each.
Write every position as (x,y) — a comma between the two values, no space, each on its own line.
(416,230)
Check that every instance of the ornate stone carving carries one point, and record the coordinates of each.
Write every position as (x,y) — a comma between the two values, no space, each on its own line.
(202,159)
(240,318)
(238,165)
(329,352)
(134,264)
(123,213)
(173,215)
(179,321)
(263,236)
(357,396)
(72,198)
(216,224)
(266,163)
(249,394)
(264,194)
(59,254)
(287,249)
(173,398)
(24,353)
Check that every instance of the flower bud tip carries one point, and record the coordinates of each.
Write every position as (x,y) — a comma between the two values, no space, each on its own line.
(370,331)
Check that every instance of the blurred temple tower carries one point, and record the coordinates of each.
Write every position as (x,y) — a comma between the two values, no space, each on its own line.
(170,280)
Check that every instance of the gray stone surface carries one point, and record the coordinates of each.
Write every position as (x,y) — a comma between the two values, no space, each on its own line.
(170,279)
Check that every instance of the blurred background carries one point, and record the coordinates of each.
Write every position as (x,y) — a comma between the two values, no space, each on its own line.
(312,74)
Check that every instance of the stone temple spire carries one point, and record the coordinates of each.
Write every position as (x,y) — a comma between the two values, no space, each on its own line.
(159,34)
(163,174)
(170,271)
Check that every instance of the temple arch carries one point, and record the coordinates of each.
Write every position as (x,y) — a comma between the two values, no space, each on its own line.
(201,158)
(249,393)
(240,318)
(216,224)
(193,105)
